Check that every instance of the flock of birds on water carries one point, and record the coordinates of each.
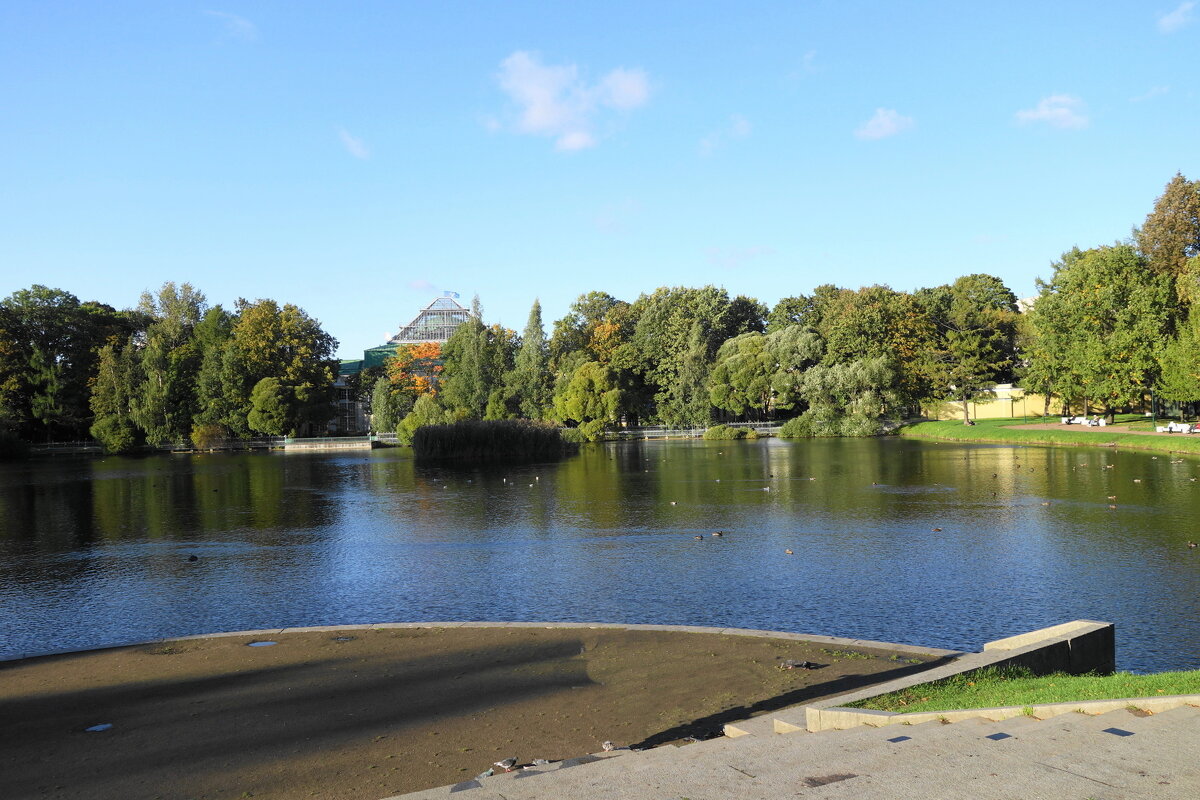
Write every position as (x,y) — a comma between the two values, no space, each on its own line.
(1112,506)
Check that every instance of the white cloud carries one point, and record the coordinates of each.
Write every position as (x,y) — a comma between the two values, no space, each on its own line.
(886,122)
(554,101)
(1155,91)
(738,128)
(236,27)
(354,146)
(625,89)
(1173,21)
(420,284)
(1057,110)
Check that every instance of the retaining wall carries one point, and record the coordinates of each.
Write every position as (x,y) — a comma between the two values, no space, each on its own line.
(1075,647)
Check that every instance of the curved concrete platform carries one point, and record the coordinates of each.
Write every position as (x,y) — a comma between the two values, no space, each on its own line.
(804,637)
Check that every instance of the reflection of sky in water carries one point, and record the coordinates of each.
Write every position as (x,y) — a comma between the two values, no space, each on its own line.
(95,552)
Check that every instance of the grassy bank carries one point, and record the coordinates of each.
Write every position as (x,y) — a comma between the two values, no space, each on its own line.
(991,688)
(1002,431)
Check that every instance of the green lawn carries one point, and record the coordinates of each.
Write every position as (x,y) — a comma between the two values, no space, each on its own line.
(1002,431)
(990,688)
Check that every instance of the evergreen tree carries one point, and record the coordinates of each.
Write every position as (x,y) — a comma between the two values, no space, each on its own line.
(465,385)
(529,381)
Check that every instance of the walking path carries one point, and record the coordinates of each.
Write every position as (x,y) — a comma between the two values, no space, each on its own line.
(1120,755)
(1058,426)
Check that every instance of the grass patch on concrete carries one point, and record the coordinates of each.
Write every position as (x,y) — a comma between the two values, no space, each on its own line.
(1005,431)
(991,688)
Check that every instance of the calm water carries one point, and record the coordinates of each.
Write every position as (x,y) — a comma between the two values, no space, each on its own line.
(97,551)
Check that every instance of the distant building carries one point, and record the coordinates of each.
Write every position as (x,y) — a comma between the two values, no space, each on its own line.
(435,322)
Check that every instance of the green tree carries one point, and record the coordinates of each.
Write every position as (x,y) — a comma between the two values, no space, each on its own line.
(388,405)
(675,337)
(48,355)
(165,403)
(976,346)
(211,336)
(851,398)
(111,398)
(464,384)
(592,399)
(1101,320)
(740,380)
(272,407)
(269,341)
(878,322)
(1171,233)
(576,332)
(426,411)
(528,383)
(761,373)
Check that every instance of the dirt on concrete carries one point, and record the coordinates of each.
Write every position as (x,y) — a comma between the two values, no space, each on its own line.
(370,713)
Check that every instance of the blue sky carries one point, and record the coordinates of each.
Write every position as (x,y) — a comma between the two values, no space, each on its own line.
(358,159)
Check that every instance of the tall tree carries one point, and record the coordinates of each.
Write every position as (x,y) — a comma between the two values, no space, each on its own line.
(111,400)
(165,403)
(975,348)
(465,384)
(211,336)
(49,351)
(269,341)
(1102,319)
(1171,233)
(528,383)
(677,333)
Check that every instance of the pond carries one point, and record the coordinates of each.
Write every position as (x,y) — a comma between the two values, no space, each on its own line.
(938,544)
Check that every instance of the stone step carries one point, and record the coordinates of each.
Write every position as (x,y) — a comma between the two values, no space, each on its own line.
(1055,758)
(763,725)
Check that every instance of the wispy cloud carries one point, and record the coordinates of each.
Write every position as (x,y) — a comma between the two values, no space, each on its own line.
(735,258)
(420,285)
(738,128)
(236,27)
(808,66)
(1058,111)
(1155,91)
(554,101)
(886,122)
(1174,20)
(354,146)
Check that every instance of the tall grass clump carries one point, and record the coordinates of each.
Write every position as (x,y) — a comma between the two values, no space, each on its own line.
(722,432)
(490,440)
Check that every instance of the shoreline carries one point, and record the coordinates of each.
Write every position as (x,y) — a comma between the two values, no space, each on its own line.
(1051,434)
(372,711)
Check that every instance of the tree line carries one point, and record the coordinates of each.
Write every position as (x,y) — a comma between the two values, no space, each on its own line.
(170,369)
(1111,325)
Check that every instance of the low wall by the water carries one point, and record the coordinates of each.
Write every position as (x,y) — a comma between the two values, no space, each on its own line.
(1074,647)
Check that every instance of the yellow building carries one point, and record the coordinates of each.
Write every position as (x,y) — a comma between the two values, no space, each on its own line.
(1002,401)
